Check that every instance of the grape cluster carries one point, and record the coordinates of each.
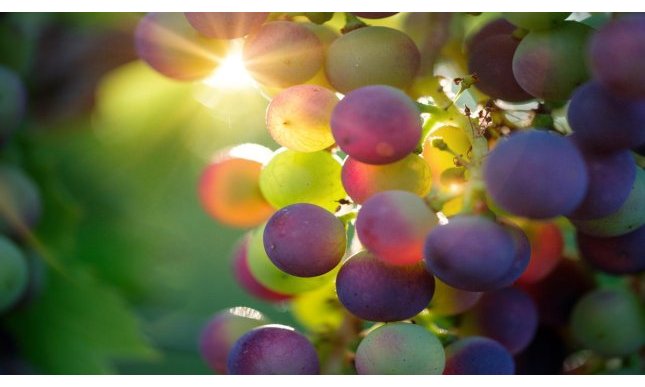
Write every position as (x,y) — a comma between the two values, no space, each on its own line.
(443,201)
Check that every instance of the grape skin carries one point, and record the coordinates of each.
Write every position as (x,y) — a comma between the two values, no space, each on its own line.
(547,245)
(305,240)
(449,301)
(223,330)
(13,101)
(493,28)
(374,15)
(536,174)
(14,275)
(508,316)
(376,125)
(282,54)
(226,25)
(522,255)
(372,56)
(393,225)
(618,255)
(400,349)
(470,253)
(273,350)
(20,202)
(376,291)
(478,356)
(536,20)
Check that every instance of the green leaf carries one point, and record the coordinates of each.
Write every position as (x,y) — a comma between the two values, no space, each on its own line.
(78,326)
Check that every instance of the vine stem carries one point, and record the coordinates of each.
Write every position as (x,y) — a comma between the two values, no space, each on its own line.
(349,331)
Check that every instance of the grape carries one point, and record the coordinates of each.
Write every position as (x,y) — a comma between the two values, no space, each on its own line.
(536,174)
(544,356)
(376,124)
(14,274)
(361,180)
(283,54)
(610,322)
(619,255)
(372,56)
(327,36)
(226,25)
(223,330)
(229,188)
(439,161)
(449,301)
(393,225)
(374,15)
(547,245)
(470,253)
(245,278)
(166,42)
(493,28)
(611,177)
(319,310)
(20,202)
(521,258)
(400,349)
(273,350)
(478,356)
(298,118)
(270,276)
(536,20)
(374,290)
(508,316)
(556,294)
(604,122)
(305,240)
(294,177)
(629,217)
(13,101)
(551,64)
(617,56)
(492,61)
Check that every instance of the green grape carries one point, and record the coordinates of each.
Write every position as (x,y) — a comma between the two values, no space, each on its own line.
(266,273)
(628,218)
(293,177)
(536,20)
(319,310)
(449,301)
(14,274)
(610,322)
(400,349)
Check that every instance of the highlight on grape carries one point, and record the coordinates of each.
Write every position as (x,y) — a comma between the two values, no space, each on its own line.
(444,193)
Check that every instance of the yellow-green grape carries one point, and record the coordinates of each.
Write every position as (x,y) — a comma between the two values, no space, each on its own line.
(298,118)
(319,310)
(266,273)
(449,301)
(294,177)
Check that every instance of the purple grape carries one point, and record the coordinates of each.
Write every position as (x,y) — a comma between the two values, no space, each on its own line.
(305,240)
(508,316)
(393,225)
(273,350)
(13,98)
(223,330)
(620,255)
(611,178)
(226,25)
(604,122)
(493,28)
(374,290)
(617,53)
(478,356)
(376,124)
(492,61)
(470,253)
(522,255)
(536,174)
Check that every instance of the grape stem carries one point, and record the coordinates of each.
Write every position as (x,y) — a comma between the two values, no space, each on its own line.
(340,356)
(351,23)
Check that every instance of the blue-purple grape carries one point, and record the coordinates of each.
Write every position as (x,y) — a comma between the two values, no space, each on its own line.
(508,316)
(400,349)
(620,255)
(13,100)
(536,174)
(273,350)
(604,122)
(374,290)
(226,25)
(393,225)
(617,56)
(376,124)
(305,240)
(521,258)
(223,330)
(470,253)
(478,356)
